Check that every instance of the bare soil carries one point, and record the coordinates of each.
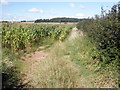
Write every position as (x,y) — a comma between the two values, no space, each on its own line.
(37,55)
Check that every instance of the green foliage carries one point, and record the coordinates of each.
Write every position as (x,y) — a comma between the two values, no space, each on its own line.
(104,33)
(59,20)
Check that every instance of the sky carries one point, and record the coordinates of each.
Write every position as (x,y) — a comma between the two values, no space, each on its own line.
(32,10)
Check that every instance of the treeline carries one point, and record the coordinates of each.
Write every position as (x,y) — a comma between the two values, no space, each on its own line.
(104,32)
(59,20)
(4,21)
(64,19)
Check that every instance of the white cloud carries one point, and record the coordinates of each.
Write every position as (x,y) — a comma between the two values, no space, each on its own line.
(11,17)
(81,6)
(4,2)
(72,5)
(81,15)
(8,17)
(35,10)
(78,15)
(52,16)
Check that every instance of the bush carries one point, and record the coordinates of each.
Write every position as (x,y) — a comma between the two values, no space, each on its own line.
(104,33)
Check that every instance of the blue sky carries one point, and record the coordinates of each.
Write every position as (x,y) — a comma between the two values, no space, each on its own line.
(17,11)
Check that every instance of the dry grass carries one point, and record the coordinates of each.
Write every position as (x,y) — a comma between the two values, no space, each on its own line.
(55,71)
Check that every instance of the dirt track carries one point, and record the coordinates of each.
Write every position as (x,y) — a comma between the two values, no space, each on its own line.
(37,55)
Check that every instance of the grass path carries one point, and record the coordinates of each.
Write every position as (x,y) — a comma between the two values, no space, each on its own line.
(64,65)
(33,61)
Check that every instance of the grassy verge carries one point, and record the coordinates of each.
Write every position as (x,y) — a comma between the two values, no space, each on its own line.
(81,52)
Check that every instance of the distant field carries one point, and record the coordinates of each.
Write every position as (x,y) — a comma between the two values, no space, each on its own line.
(46,23)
